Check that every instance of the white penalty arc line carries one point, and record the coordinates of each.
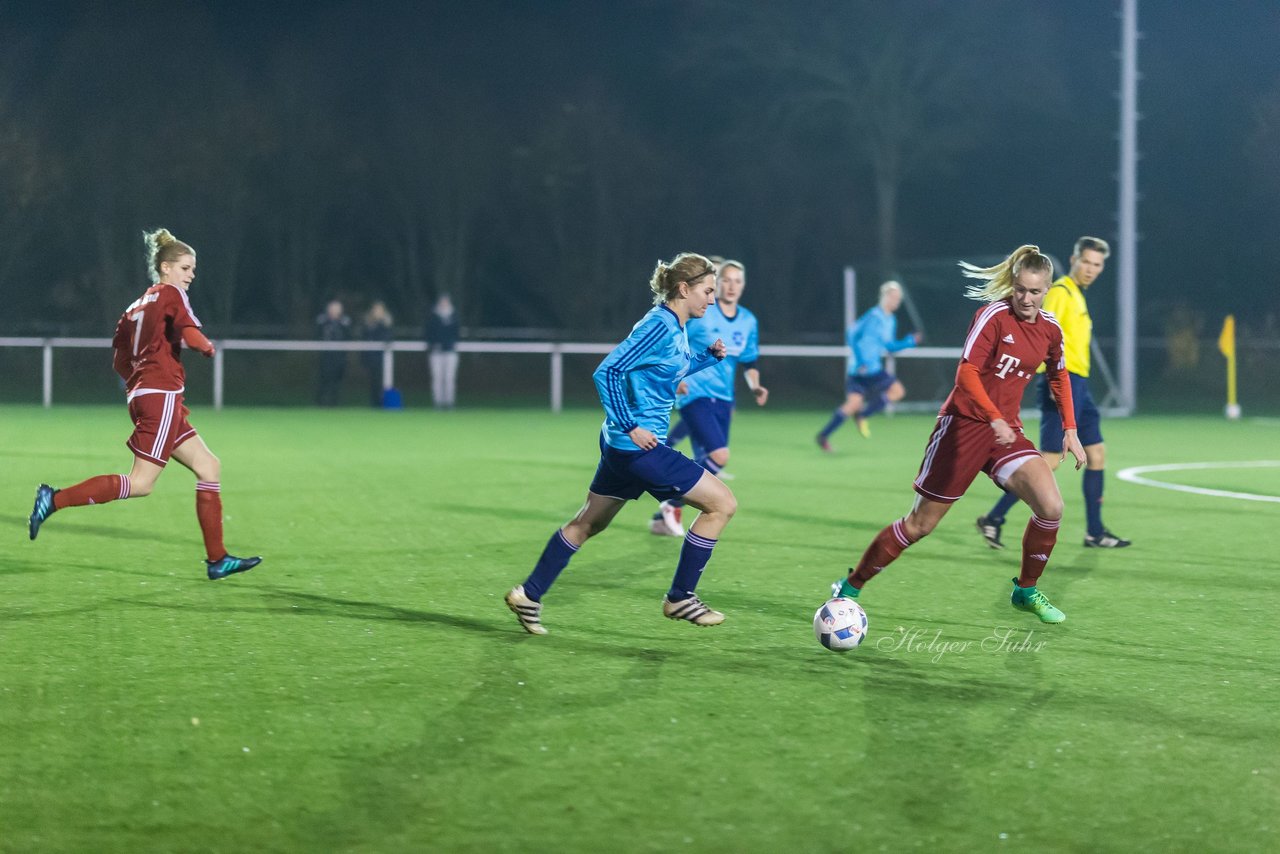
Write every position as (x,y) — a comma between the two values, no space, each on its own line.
(1134,474)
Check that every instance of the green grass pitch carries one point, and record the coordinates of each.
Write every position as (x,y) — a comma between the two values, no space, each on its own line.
(366,690)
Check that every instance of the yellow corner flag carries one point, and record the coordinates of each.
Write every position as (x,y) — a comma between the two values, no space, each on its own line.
(1227,346)
(1227,340)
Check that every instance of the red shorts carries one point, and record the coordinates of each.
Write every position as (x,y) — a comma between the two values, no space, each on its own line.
(958,449)
(159,425)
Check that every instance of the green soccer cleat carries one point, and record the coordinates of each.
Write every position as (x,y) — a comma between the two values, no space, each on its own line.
(230,565)
(43,509)
(1031,599)
(841,588)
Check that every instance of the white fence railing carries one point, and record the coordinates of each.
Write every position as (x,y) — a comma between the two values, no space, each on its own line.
(555,351)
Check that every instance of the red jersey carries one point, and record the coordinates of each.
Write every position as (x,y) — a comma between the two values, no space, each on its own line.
(148,340)
(1006,352)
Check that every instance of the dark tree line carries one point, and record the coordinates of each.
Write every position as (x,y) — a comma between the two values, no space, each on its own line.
(534,162)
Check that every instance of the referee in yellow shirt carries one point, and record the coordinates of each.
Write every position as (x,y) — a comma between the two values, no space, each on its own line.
(1066,302)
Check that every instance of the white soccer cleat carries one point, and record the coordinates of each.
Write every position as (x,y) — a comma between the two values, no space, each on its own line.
(693,610)
(669,525)
(527,611)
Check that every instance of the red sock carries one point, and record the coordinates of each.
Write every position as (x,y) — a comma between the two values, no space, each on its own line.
(209,512)
(884,550)
(95,490)
(1037,545)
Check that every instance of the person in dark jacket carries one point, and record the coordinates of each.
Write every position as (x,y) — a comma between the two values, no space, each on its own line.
(332,325)
(442,354)
(376,326)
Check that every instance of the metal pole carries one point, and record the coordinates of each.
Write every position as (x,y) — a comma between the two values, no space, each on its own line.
(47,378)
(217,376)
(850,298)
(388,368)
(1127,280)
(557,378)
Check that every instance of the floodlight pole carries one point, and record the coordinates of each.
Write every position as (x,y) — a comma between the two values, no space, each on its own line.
(1127,212)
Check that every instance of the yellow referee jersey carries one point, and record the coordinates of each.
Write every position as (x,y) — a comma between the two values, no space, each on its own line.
(1065,301)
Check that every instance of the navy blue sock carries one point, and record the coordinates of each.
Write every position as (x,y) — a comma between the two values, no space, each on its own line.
(694,555)
(1092,484)
(997,513)
(555,557)
(837,418)
(678,432)
(871,407)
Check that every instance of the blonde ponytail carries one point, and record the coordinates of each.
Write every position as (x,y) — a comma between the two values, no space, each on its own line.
(161,247)
(999,279)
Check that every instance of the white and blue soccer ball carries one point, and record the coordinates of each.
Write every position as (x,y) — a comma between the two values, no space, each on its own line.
(840,624)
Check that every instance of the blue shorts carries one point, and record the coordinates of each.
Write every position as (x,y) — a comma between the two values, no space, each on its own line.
(662,472)
(708,421)
(1088,421)
(870,386)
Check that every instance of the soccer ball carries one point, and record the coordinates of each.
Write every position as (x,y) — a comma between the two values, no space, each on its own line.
(840,624)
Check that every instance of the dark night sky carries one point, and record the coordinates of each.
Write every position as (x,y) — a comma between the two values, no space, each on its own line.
(1044,171)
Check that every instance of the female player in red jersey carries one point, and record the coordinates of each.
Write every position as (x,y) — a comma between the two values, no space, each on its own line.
(148,347)
(978,429)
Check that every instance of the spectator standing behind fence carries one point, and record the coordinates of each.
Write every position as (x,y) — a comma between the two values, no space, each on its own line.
(333,325)
(376,326)
(442,349)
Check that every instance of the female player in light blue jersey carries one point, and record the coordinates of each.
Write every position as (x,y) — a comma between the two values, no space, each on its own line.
(868,386)
(705,401)
(637,387)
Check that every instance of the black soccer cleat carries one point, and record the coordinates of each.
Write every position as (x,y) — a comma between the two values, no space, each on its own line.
(990,531)
(1105,540)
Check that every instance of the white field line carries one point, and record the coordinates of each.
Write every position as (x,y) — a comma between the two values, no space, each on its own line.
(1134,474)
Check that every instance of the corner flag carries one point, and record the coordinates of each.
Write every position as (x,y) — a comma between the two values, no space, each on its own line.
(1227,340)
(1227,346)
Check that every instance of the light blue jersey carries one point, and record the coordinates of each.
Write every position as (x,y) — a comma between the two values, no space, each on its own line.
(741,337)
(870,338)
(637,381)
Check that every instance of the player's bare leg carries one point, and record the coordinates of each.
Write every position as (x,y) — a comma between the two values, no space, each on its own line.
(852,406)
(890,543)
(716,505)
(195,455)
(99,489)
(525,600)
(1034,483)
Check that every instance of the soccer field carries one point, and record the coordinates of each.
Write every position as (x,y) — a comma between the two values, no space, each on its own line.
(366,689)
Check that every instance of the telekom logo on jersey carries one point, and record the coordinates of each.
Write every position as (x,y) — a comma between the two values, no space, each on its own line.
(1007,364)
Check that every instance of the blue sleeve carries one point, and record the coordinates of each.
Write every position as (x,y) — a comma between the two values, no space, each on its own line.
(637,351)
(701,361)
(892,345)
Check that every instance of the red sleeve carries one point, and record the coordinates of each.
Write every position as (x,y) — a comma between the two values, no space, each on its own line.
(179,307)
(196,341)
(1060,383)
(121,360)
(969,380)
